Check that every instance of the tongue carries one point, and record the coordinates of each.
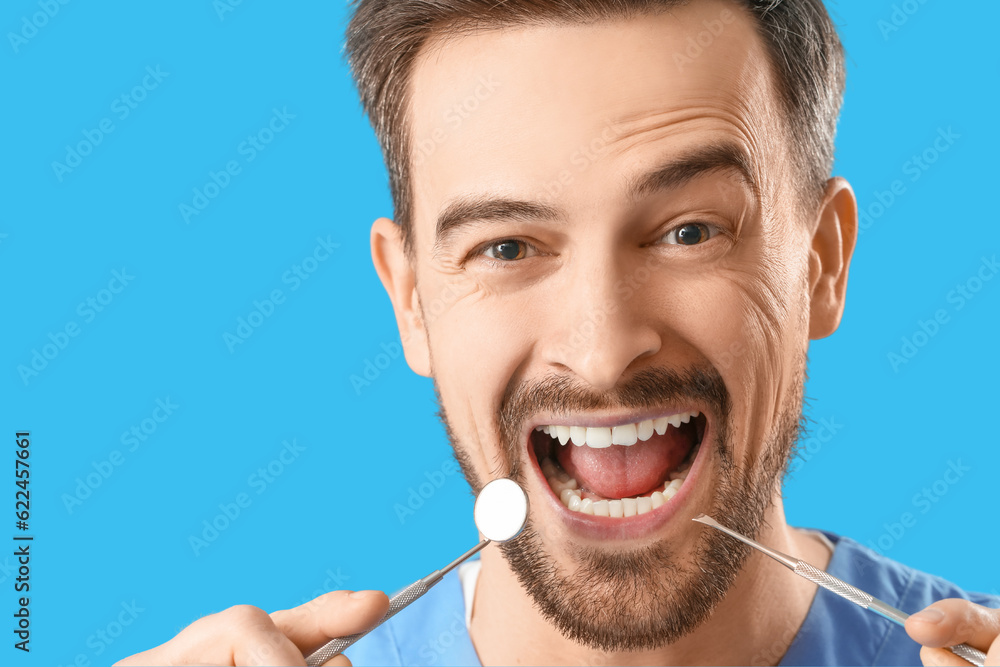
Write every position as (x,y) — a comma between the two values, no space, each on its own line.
(625,472)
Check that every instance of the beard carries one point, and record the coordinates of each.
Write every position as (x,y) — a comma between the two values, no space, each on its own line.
(642,598)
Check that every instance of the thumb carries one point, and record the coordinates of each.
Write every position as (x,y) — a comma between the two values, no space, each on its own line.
(951,622)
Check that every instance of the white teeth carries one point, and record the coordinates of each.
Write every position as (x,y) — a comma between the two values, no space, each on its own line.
(598,438)
(571,497)
(566,494)
(630,506)
(615,509)
(624,435)
(563,483)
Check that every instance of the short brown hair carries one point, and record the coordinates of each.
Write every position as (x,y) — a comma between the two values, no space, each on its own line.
(385,36)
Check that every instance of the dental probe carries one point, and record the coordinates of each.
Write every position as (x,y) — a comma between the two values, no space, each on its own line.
(501,511)
(841,588)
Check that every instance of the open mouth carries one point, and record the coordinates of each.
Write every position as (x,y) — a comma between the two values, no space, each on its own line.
(619,471)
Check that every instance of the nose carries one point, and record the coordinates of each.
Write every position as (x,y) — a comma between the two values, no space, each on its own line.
(603,325)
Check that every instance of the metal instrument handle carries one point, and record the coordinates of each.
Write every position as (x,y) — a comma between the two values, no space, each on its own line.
(862,599)
(397,603)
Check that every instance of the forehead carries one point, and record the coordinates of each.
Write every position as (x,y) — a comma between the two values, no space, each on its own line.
(515,111)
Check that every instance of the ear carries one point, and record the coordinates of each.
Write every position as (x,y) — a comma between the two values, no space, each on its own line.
(832,248)
(400,281)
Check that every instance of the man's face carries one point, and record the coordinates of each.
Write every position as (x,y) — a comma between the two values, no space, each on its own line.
(606,235)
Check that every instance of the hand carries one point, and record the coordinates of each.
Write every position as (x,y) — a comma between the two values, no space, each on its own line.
(951,622)
(245,635)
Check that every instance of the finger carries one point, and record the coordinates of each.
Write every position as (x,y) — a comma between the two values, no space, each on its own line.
(144,658)
(339,660)
(940,656)
(241,635)
(334,614)
(954,621)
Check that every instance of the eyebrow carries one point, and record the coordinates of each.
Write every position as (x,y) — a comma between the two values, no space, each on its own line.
(482,208)
(679,170)
(673,173)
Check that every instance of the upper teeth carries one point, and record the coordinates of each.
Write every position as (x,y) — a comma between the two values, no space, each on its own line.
(626,434)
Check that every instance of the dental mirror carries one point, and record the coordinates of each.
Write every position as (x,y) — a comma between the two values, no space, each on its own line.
(501,510)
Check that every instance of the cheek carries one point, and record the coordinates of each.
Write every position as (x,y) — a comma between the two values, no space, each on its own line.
(769,352)
(478,342)
(748,326)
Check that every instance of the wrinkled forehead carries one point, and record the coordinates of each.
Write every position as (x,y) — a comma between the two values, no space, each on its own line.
(513,110)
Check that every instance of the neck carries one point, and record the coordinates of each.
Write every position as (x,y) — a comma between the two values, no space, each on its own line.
(758,618)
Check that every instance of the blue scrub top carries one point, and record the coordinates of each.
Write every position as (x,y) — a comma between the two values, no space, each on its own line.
(432,630)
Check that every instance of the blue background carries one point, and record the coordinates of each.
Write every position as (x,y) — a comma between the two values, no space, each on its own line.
(327,520)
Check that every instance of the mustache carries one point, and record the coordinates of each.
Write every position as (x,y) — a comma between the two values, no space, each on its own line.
(648,388)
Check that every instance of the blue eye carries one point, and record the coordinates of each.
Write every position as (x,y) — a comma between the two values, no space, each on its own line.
(691,233)
(507,250)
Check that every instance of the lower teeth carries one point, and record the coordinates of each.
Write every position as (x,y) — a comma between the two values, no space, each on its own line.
(568,490)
